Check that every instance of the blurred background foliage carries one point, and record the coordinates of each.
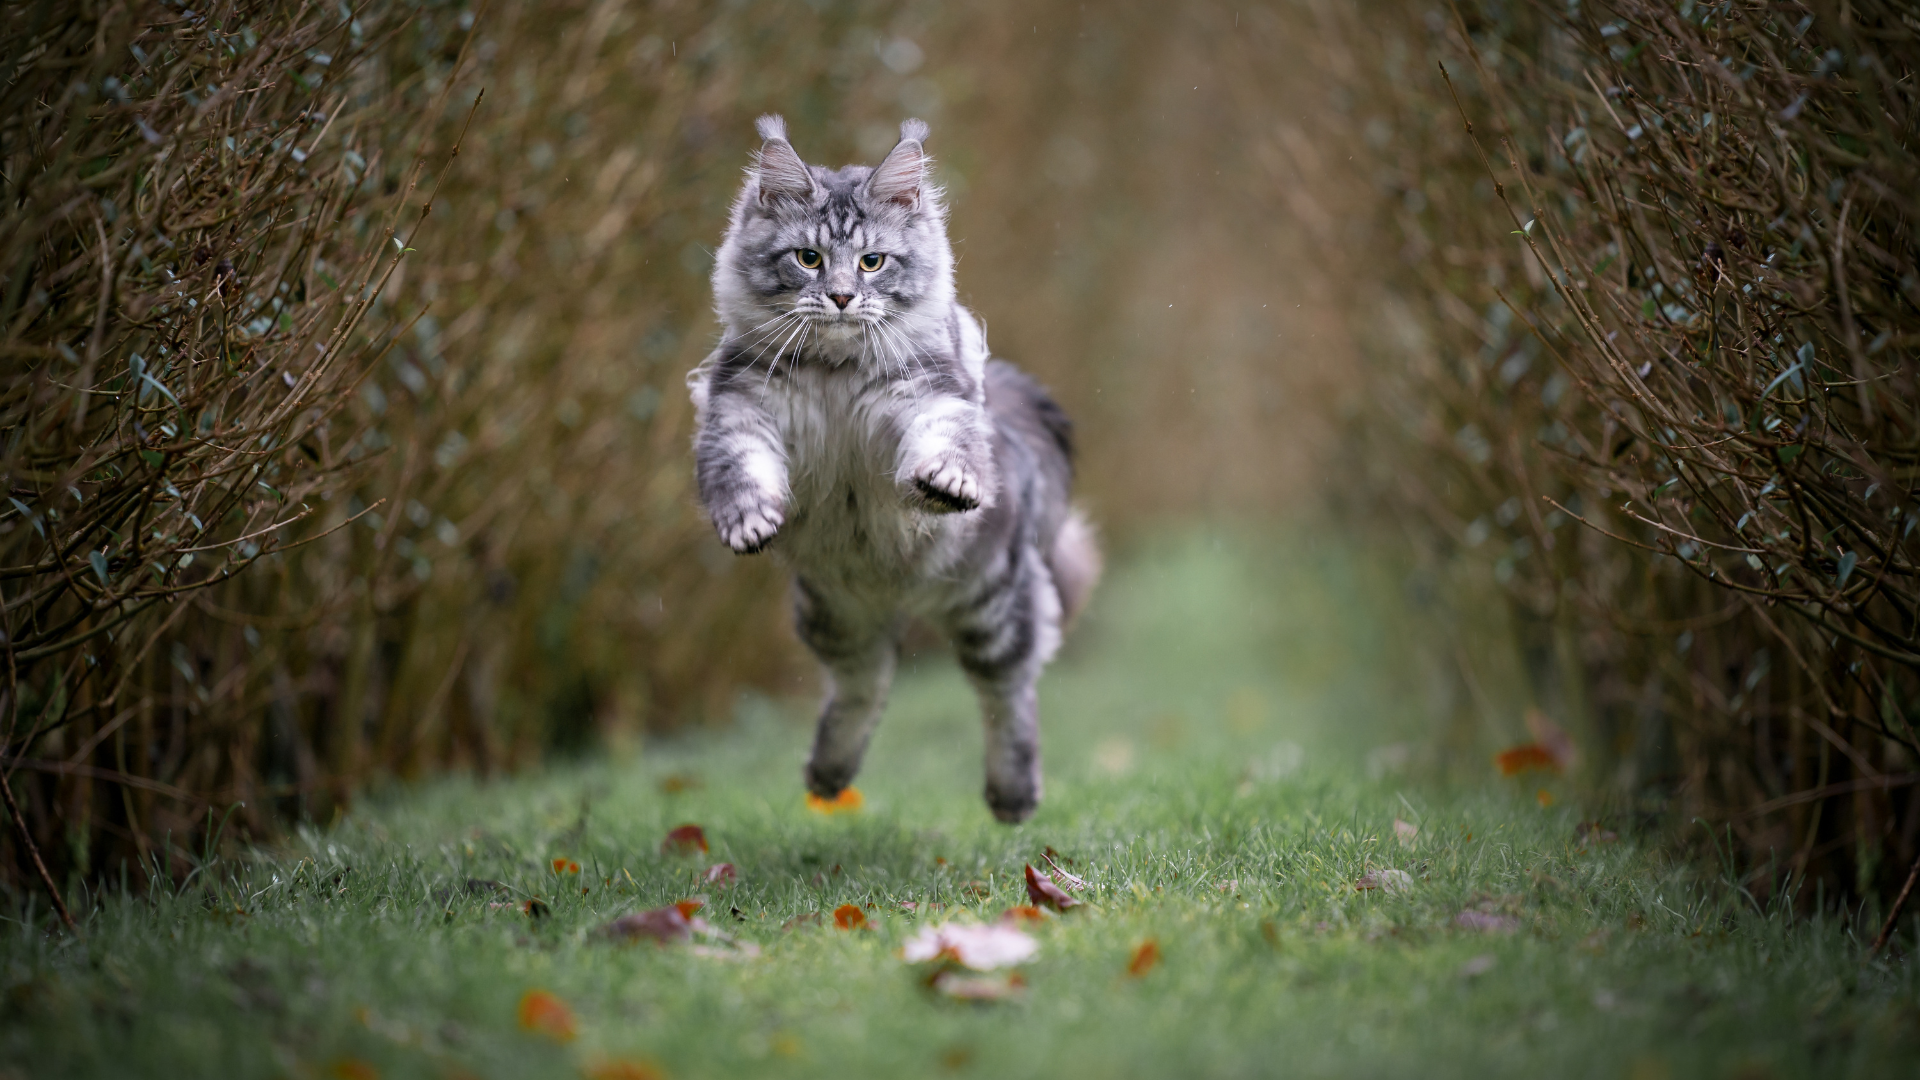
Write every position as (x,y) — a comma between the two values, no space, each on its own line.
(1250,247)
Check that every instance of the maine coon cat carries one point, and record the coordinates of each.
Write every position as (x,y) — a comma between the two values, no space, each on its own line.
(852,423)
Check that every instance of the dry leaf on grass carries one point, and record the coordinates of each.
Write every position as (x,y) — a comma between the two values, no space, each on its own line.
(980,947)
(1071,882)
(622,1069)
(849,917)
(684,840)
(1145,956)
(957,984)
(565,866)
(1390,881)
(1045,893)
(544,1014)
(1487,922)
(1023,913)
(721,874)
(1519,759)
(662,924)
(846,802)
(1406,832)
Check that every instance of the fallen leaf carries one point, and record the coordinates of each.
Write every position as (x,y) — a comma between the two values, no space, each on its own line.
(976,889)
(545,1014)
(1479,965)
(721,874)
(1405,831)
(1592,832)
(849,917)
(565,866)
(353,1069)
(536,908)
(1553,738)
(956,984)
(980,947)
(622,1069)
(1390,881)
(1066,880)
(1145,956)
(1045,893)
(687,907)
(846,802)
(1023,913)
(662,924)
(675,783)
(684,840)
(1488,922)
(1518,759)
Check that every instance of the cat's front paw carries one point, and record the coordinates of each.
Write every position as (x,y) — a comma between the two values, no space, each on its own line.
(747,528)
(945,485)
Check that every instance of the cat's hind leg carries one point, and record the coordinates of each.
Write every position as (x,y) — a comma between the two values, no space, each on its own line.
(858,650)
(1004,638)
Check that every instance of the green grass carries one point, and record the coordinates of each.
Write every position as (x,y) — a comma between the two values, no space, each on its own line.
(1204,744)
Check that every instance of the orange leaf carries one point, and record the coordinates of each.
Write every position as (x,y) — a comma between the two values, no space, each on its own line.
(545,1014)
(688,907)
(353,1069)
(1526,756)
(1145,956)
(1023,913)
(846,802)
(1045,893)
(849,917)
(622,1069)
(684,840)
(565,866)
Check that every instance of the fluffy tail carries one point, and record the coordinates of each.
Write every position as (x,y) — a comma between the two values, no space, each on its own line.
(1075,562)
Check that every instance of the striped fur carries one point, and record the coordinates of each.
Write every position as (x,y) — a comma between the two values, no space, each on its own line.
(852,423)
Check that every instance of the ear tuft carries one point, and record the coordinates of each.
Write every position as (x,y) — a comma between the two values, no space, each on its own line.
(898,179)
(771,126)
(782,175)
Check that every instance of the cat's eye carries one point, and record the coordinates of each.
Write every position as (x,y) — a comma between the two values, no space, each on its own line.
(872,261)
(808,258)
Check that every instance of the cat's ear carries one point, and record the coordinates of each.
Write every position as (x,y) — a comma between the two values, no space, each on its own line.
(900,177)
(781,173)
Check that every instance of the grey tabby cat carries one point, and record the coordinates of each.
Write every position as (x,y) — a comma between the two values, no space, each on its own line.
(852,422)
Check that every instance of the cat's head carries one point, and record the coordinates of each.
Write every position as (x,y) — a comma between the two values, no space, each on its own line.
(834,259)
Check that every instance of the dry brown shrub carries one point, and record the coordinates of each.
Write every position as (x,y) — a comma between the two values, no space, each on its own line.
(1667,324)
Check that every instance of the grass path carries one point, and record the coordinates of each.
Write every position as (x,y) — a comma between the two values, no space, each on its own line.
(1203,742)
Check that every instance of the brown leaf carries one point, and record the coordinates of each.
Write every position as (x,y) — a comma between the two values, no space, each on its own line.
(721,874)
(545,1014)
(1487,922)
(684,840)
(849,917)
(1592,832)
(1518,759)
(1045,893)
(1405,831)
(1023,913)
(958,984)
(661,924)
(1067,881)
(622,1069)
(1145,956)
(536,908)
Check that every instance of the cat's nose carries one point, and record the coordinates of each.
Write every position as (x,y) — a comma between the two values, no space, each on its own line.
(842,299)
